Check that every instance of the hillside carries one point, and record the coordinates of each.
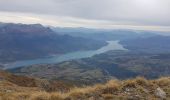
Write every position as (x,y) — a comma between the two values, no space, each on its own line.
(132,89)
(21,42)
(17,83)
(103,67)
(155,44)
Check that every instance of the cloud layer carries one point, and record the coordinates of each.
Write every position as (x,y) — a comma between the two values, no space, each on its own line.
(90,13)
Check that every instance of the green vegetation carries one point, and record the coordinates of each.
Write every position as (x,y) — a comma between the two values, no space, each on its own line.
(103,67)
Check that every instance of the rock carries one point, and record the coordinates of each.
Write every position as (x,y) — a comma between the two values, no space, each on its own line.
(8,91)
(94,98)
(160,93)
(127,90)
(145,90)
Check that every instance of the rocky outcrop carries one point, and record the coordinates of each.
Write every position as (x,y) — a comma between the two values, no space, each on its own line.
(160,93)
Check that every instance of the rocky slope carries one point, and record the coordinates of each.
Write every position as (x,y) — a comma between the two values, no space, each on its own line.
(131,89)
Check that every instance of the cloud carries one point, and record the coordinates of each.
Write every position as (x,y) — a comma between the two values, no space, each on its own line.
(108,13)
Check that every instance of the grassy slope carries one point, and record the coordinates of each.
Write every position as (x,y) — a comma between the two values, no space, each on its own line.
(132,89)
(13,82)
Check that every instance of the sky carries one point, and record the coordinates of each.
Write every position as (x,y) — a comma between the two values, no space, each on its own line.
(107,14)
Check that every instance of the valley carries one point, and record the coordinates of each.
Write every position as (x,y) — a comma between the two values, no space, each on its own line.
(66,63)
(112,45)
(33,41)
(103,67)
(88,60)
(84,49)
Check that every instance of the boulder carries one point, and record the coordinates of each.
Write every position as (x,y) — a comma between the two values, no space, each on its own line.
(160,93)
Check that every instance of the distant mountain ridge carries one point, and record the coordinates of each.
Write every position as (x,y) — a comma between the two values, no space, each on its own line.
(154,44)
(104,34)
(21,41)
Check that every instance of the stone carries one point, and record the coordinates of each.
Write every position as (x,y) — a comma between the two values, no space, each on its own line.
(160,93)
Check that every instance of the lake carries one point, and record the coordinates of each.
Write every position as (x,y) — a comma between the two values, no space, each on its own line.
(112,45)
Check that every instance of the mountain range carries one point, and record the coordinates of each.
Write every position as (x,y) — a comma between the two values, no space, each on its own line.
(146,54)
(154,44)
(21,42)
(104,34)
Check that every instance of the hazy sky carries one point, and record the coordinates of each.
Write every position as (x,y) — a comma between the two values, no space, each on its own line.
(123,14)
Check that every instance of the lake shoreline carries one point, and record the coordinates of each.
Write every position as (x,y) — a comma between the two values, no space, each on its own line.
(112,45)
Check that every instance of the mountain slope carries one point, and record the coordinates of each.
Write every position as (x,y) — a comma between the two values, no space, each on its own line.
(103,67)
(20,41)
(155,44)
(14,83)
(132,89)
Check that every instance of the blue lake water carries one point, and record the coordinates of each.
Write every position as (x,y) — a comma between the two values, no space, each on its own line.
(112,45)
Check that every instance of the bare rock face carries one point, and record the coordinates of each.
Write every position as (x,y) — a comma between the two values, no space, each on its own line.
(160,93)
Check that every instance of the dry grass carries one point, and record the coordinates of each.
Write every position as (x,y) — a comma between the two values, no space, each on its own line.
(132,89)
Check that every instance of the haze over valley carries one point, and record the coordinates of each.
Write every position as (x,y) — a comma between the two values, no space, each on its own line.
(84,50)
